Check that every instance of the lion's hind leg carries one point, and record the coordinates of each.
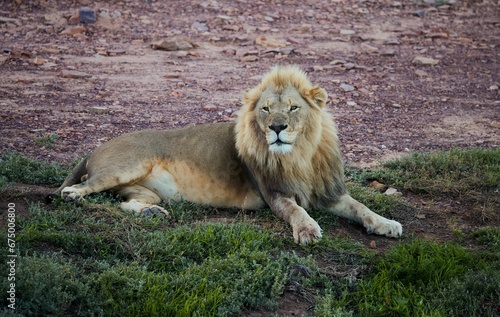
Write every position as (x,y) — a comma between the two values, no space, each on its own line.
(348,207)
(141,200)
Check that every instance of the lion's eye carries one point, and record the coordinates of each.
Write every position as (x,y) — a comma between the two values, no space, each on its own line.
(294,108)
(265,109)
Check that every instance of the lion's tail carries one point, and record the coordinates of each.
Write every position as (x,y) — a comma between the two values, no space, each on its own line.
(77,175)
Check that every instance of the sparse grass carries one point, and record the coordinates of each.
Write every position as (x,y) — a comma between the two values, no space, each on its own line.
(471,176)
(92,259)
(48,140)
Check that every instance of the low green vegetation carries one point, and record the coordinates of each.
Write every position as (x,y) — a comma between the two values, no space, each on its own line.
(92,259)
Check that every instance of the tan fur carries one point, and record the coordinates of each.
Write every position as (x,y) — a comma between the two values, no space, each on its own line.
(282,152)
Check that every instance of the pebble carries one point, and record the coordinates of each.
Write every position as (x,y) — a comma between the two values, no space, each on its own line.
(493,87)
(249,58)
(270,41)
(388,53)
(392,42)
(373,245)
(420,60)
(210,108)
(347,32)
(73,74)
(421,73)
(73,30)
(87,15)
(346,87)
(378,186)
(172,45)
(200,27)
(351,103)
(99,110)
(392,192)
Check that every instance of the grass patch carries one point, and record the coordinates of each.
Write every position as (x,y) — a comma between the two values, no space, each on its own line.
(16,168)
(48,140)
(469,175)
(92,259)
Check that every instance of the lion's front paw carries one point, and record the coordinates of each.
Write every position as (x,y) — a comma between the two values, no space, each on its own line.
(155,211)
(388,228)
(71,194)
(307,231)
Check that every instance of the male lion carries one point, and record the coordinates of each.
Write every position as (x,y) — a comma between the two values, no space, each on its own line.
(283,152)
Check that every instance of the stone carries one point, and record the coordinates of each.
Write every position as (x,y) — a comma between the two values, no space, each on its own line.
(437,35)
(172,45)
(200,27)
(73,30)
(349,66)
(351,103)
(210,108)
(493,87)
(38,61)
(378,186)
(137,42)
(392,42)
(347,32)
(99,110)
(421,73)
(87,15)
(373,245)
(74,74)
(268,41)
(48,66)
(368,48)
(388,53)
(346,87)
(392,192)
(249,58)
(420,60)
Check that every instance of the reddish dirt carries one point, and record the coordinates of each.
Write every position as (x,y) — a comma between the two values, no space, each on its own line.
(396,105)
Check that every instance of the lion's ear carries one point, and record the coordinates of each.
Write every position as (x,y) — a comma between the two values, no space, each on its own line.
(319,96)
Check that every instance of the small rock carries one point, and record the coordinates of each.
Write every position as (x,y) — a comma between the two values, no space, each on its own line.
(369,48)
(493,87)
(229,51)
(38,61)
(392,192)
(318,68)
(249,58)
(87,15)
(200,27)
(346,87)
(48,66)
(99,110)
(268,19)
(392,42)
(172,45)
(349,66)
(420,13)
(388,53)
(420,60)
(351,103)
(396,105)
(210,108)
(378,186)
(373,245)
(73,30)
(270,41)
(347,32)
(137,42)
(437,35)
(495,125)
(421,73)
(73,74)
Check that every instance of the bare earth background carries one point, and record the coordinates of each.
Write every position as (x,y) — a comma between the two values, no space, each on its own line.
(88,83)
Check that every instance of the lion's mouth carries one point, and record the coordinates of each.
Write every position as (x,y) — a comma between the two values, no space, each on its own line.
(279,143)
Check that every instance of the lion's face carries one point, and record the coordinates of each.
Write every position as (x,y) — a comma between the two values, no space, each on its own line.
(280,116)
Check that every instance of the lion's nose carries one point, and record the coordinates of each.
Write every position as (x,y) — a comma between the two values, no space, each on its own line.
(278,127)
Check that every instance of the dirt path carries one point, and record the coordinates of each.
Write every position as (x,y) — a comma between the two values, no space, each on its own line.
(363,53)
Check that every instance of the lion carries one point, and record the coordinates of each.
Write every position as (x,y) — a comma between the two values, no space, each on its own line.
(282,152)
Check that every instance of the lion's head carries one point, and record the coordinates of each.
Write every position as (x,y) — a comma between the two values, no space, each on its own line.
(287,137)
(283,112)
